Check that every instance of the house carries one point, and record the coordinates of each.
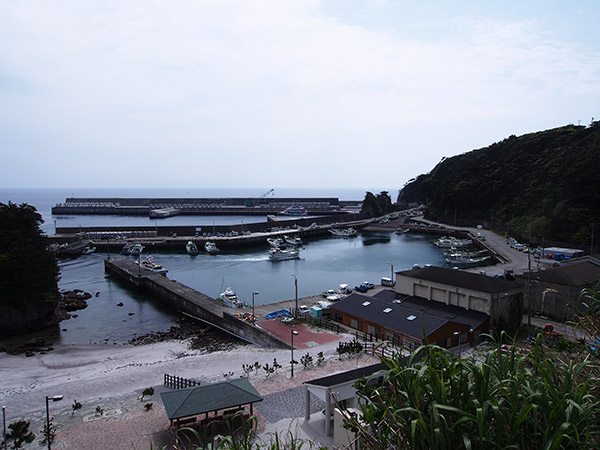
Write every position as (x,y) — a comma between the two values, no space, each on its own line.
(500,299)
(410,321)
(555,292)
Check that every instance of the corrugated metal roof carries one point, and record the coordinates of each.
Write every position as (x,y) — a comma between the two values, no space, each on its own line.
(460,278)
(212,397)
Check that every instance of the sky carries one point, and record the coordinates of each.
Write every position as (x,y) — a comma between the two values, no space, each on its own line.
(281,93)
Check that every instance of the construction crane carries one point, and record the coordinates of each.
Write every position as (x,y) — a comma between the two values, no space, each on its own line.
(255,200)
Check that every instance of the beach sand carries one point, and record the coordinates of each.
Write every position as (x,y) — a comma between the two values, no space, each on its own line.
(113,377)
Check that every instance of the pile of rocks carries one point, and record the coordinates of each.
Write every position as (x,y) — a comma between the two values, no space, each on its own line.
(30,348)
(201,336)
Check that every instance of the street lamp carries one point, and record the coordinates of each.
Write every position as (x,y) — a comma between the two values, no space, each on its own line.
(253,294)
(392,270)
(296,286)
(54,398)
(457,334)
(293,333)
(4,429)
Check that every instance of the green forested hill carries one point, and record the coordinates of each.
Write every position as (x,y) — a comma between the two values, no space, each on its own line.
(546,183)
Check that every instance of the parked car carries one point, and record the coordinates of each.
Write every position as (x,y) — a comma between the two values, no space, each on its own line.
(368,284)
(362,287)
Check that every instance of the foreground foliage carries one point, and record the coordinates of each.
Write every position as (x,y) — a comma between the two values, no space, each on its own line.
(508,400)
(29,271)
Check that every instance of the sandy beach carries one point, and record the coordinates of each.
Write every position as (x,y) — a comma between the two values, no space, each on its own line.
(114,376)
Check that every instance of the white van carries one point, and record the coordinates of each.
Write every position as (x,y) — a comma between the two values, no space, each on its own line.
(387,281)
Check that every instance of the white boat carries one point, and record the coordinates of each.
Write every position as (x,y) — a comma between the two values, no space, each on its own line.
(292,240)
(136,249)
(344,232)
(211,248)
(467,262)
(294,211)
(191,248)
(449,242)
(148,263)
(275,242)
(278,254)
(161,213)
(230,298)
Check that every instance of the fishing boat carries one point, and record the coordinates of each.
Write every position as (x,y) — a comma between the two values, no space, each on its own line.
(278,254)
(191,248)
(292,240)
(293,211)
(136,249)
(344,232)
(449,242)
(211,248)
(275,242)
(230,298)
(467,262)
(148,263)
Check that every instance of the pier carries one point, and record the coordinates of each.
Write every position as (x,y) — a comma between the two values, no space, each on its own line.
(189,301)
(175,238)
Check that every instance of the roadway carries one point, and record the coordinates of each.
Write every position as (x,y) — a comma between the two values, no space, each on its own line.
(513,259)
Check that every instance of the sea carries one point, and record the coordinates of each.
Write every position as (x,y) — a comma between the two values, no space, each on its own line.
(324,263)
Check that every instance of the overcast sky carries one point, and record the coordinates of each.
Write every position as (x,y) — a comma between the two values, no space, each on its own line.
(275,93)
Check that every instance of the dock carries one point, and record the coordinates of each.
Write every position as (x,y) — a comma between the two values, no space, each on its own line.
(191,302)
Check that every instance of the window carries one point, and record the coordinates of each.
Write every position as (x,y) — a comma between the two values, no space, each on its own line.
(411,317)
(338,317)
(372,330)
(357,324)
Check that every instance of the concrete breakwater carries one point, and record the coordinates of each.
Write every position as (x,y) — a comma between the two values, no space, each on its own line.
(189,301)
(174,238)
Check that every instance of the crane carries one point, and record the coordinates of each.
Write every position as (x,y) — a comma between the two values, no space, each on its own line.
(254,200)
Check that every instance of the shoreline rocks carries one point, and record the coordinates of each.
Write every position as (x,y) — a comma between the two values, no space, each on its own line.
(201,336)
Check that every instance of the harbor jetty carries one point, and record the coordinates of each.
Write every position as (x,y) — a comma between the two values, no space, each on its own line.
(165,207)
(191,302)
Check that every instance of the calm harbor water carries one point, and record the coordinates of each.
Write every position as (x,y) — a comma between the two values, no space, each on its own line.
(324,264)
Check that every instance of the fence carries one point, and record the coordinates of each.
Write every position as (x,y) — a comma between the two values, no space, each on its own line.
(175,382)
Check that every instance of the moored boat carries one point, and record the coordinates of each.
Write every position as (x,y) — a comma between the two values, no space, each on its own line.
(294,211)
(149,264)
(211,248)
(230,298)
(136,249)
(275,242)
(292,240)
(344,232)
(191,248)
(449,242)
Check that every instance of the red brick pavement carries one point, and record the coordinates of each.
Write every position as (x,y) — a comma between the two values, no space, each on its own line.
(306,337)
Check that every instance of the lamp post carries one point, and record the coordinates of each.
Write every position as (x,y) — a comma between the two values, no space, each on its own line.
(54,398)
(253,294)
(457,334)
(4,427)
(392,271)
(296,286)
(293,333)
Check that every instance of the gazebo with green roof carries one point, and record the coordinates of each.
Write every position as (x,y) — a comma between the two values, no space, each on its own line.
(190,402)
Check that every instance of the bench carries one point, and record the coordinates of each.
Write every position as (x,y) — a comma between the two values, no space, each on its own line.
(181,422)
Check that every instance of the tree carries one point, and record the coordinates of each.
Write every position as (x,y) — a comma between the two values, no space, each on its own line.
(29,281)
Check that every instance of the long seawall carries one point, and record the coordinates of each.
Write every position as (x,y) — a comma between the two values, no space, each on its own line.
(187,300)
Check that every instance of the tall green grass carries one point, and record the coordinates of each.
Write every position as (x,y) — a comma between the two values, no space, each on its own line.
(505,401)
